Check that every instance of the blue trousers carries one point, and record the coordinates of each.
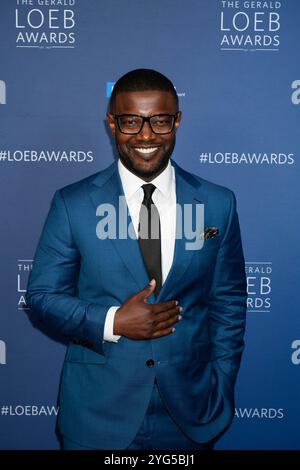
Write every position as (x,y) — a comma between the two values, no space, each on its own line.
(158,431)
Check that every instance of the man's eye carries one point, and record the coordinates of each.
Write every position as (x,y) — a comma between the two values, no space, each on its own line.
(162,121)
(129,122)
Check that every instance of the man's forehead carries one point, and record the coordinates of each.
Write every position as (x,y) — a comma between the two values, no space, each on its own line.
(145,99)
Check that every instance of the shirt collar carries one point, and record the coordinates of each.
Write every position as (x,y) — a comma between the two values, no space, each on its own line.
(132,183)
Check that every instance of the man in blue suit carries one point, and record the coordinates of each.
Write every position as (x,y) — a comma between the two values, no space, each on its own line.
(155,323)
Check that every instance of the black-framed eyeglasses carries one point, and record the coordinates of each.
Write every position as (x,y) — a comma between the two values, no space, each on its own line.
(133,124)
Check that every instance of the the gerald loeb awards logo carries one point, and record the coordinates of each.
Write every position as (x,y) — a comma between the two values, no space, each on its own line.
(259,286)
(250,25)
(24,267)
(2,92)
(45,24)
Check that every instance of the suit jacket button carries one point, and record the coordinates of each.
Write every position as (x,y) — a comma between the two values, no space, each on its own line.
(150,363)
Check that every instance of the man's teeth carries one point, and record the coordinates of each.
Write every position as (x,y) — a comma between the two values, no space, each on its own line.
(146,150)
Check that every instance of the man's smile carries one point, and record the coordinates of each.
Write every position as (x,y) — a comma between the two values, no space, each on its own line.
(146,151)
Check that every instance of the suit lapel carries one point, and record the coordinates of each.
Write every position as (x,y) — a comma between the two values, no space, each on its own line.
(107,188)
(186,193)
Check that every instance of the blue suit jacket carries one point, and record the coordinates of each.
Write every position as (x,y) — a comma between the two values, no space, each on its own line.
(106,387)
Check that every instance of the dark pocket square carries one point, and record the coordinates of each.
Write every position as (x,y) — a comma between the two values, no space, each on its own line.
(210,232)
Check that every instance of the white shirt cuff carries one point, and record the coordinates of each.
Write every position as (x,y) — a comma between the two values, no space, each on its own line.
(108,334)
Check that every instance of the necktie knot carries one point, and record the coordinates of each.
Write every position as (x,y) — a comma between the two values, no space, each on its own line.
(148,191)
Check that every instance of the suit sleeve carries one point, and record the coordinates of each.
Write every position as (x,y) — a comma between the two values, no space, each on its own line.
(52,286)
(228,296)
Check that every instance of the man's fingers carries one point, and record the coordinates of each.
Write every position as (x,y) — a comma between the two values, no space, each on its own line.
(167,323)
(164,306)
(169,314)
(164,332)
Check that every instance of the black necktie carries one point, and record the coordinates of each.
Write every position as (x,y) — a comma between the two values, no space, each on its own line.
(149,236)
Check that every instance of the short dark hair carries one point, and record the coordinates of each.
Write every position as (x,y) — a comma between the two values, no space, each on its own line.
(142,80)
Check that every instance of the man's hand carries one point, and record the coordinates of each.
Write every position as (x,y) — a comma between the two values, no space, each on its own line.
(136,319)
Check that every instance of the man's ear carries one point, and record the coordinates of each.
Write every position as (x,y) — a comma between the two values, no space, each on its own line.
(178,119)
(111,122)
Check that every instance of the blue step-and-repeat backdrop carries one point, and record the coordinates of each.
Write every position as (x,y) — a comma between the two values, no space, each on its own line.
(235,65)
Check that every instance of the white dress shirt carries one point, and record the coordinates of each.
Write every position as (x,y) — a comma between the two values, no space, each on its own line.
(164,197)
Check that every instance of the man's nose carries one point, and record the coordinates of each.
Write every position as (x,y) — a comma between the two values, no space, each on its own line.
(146,132)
